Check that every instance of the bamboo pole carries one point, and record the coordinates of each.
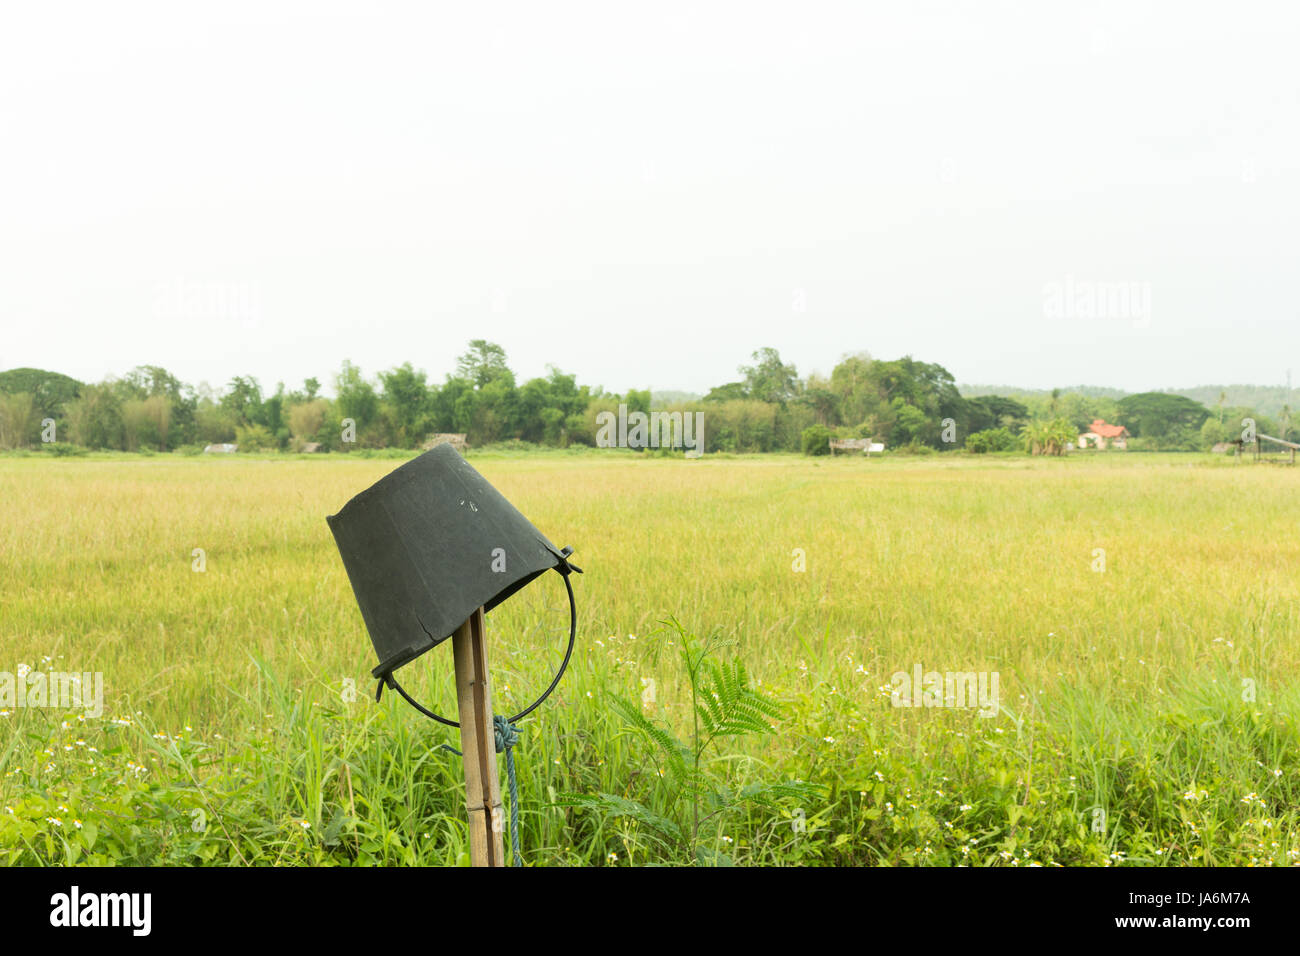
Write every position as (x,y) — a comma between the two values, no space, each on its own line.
(478,743)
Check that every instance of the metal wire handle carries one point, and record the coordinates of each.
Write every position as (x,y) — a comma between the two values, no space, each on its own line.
(564,570)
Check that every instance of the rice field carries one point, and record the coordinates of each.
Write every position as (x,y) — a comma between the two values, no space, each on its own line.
(1139,613)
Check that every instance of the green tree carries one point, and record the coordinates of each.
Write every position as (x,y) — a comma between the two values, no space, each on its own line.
(770,379)
(174,426)
(544,407)
(137,427)
(306,419)
(1156,415)
(357,399)
(51,392)
(911,424)
(1050,437)
(254,438)
(483,363)
(243,400)
(17,419)
(94,417)
(991,439)
(731,392)
(741,426)
(1214,431)
(273,416)
(816,440)
(995,411)
(820,397)
(637,400)
(857,394)
(406,392)
(214,423)
(443,403)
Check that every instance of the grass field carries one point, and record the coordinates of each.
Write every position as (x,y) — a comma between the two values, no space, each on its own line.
(1140,612)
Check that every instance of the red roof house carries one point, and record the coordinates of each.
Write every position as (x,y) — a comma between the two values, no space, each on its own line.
(1099,433)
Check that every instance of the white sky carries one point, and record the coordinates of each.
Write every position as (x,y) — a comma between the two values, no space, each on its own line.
(644,198)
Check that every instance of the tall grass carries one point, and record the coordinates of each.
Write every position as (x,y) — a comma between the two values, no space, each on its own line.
(1127,730)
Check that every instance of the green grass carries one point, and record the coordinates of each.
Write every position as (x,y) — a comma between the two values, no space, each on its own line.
(226,736)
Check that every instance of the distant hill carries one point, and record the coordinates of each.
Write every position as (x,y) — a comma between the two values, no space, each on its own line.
(666,397)
(1014,391)
(1265,399)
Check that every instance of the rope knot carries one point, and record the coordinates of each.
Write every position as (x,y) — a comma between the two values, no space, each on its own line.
(507,734)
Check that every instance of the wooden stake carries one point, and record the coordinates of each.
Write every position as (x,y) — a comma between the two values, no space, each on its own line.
(478,743)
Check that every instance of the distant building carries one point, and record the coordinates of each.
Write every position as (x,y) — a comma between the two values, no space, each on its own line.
(864,445)
(311,447)
(1099,434)
(226,448)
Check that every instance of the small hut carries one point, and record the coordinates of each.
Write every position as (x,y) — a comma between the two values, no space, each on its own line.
(456,441)
(1261,454)
(864,445)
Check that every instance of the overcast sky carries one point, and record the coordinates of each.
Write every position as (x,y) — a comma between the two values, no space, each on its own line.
(644,197)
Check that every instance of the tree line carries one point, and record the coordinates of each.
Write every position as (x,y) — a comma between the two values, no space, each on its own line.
(903,403)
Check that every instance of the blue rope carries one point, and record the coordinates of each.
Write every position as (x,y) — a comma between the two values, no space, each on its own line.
(507,735)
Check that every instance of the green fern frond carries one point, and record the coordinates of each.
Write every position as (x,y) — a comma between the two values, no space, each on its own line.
(665,829)
(677,757)
(695,793)
(769,794)
(728,706)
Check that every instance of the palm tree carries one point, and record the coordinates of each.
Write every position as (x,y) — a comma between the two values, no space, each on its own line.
(1049,438)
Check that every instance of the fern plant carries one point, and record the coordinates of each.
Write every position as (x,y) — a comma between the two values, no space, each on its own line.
(690,794)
